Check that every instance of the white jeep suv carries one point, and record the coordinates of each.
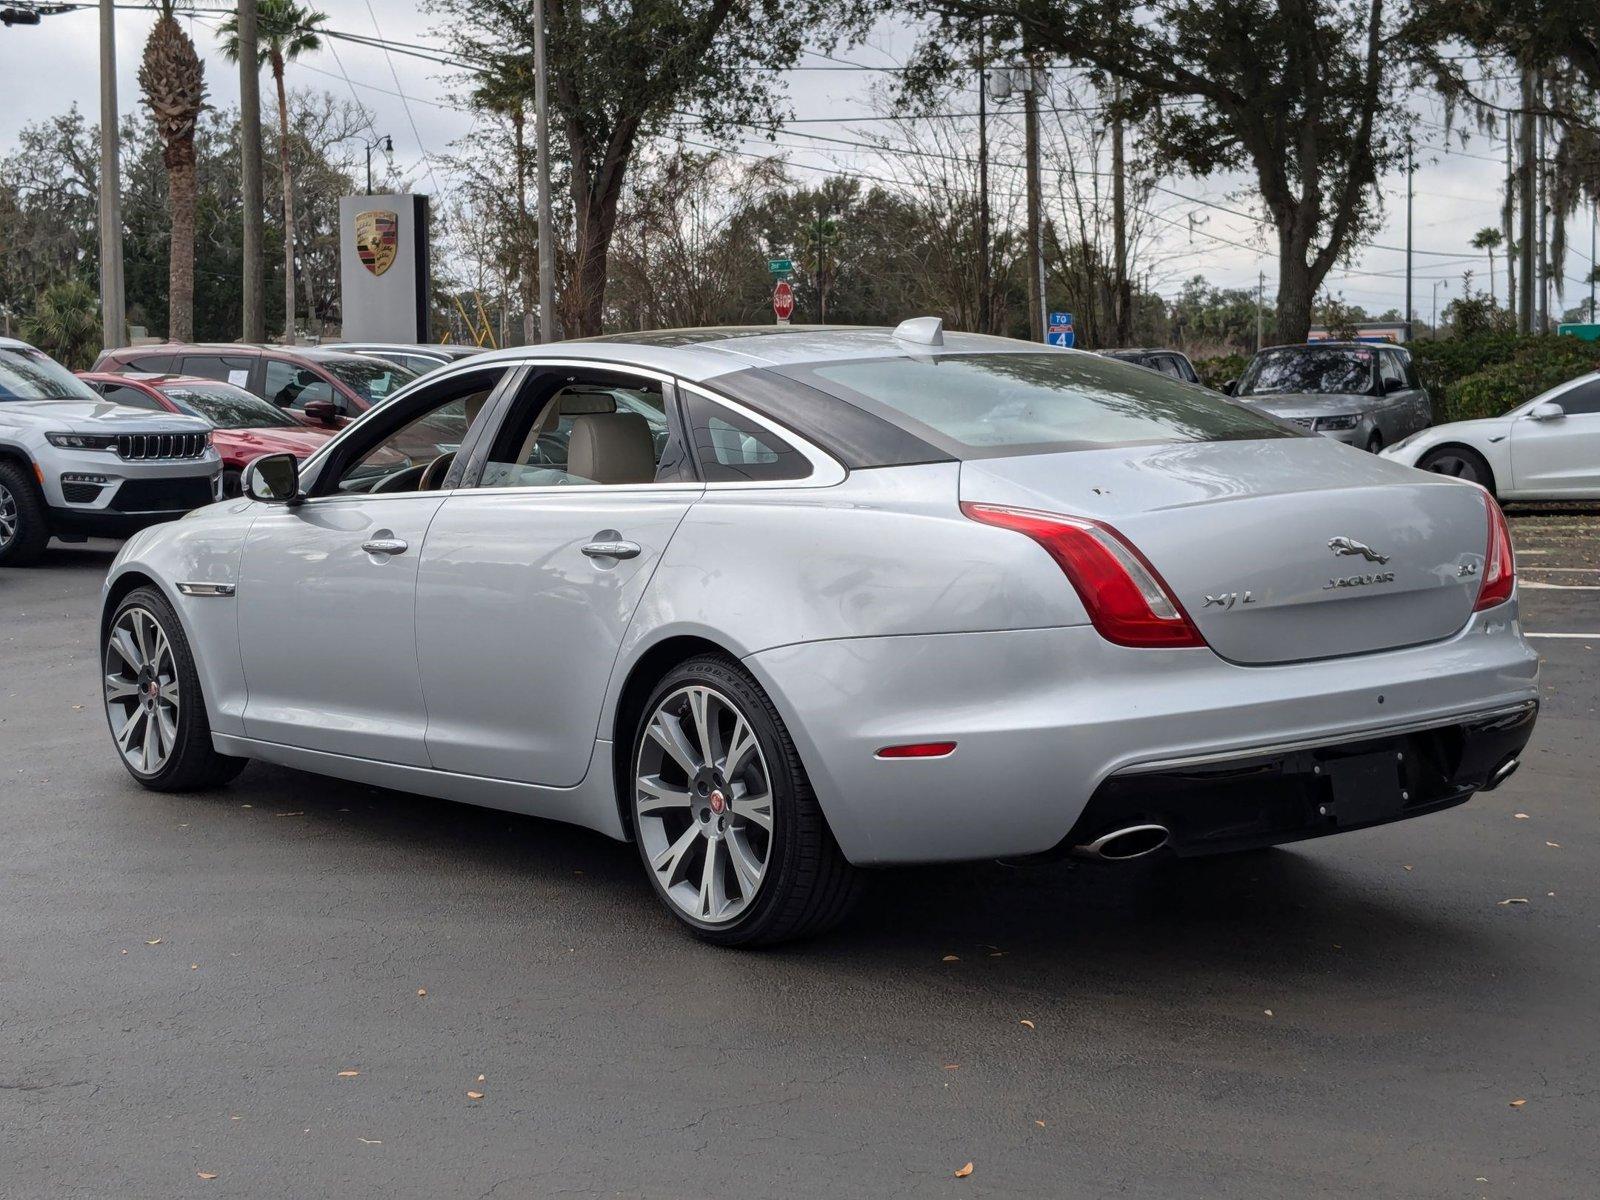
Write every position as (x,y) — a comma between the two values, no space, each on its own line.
(74,465)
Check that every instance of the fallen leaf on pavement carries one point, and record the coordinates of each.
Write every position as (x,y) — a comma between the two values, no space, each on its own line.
(952,1066)
(1554,845)
(1520,816)
(293,814)
(950,958)
(963,1172)
(481,1078)
(1408,866)
(422,991)
(1512,900)
(1268,1011)
(348,1074)
(153,942)
(1040,1124)
(206,1174)
(1518,1103)
(1028,1023)
(370,1141)
(474,1095)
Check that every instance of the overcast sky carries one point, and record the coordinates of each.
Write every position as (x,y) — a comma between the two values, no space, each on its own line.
(48,67)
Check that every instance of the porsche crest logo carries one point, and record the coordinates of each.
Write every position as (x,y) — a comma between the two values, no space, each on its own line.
(377,239)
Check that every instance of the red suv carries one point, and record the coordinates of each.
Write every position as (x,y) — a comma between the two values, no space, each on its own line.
(317,386)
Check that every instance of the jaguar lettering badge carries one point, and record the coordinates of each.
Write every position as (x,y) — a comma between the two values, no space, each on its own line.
(1350,581)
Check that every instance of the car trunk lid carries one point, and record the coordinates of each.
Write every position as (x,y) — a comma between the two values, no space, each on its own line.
(1280,550)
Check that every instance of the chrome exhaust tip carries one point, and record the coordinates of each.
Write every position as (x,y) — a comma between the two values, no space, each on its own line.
(1502,773)
(1122,845)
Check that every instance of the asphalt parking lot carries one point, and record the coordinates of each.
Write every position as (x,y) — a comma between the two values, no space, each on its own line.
(302,988)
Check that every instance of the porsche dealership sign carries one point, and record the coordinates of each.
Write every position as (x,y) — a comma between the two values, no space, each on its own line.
(383,268)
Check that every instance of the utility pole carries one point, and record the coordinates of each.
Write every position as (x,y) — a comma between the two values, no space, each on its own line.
(1525,186)
(1594,268)
(985,316)
(1411,168)
(1037,316)
(254,325)
(112,317)
(1507,219)
(1122,300)
(541,140)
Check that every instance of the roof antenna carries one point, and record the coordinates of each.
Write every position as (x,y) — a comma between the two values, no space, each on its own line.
(926,331)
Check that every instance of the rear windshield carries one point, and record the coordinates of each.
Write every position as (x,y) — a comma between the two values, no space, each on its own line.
(227,407)
(372,379)
(28,374)
(1318,370)
(991,405)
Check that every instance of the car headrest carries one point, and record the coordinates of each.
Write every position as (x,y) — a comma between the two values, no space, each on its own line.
(578,404)
(612,448)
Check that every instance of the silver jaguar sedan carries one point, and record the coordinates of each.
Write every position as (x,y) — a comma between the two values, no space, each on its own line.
(781,604)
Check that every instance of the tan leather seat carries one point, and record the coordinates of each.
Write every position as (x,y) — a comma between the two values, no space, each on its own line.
(611,448)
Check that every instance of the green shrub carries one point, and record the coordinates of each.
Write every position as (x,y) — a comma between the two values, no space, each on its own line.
(1486,376)
(1214,372)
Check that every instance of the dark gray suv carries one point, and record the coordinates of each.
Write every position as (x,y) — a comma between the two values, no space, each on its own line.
(1366,395)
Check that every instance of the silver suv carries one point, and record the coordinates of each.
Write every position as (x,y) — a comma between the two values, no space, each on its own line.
(73,465)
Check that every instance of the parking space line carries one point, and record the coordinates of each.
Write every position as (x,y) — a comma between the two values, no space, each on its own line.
(1583,637)
(1561,587)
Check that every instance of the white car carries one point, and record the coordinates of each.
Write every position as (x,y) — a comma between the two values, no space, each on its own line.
(1546,449)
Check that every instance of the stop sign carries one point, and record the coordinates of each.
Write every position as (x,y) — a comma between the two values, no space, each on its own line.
(783,300)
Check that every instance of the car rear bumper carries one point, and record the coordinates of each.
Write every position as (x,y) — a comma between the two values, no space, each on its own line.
(1045,720)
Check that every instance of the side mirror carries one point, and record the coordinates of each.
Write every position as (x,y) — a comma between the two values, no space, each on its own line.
(1393,385)
(1547,410)
(1230,387)
(323,411)
(274,478)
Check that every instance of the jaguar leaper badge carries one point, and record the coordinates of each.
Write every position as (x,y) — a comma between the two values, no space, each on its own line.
(377,239)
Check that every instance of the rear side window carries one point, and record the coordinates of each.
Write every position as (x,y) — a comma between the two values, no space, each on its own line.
(991,405)
(731,448)
(133,397)
(218,366)
(155,364)
(1389,367)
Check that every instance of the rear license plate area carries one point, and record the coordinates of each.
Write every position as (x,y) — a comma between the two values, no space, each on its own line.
(1363,788)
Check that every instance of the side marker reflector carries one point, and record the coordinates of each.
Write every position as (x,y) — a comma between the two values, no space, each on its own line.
(918,750)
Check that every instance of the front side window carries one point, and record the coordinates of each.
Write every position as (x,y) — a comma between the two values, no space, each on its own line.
(573,429)
(28,374)
(290,385)
(417,456)
(1581,400)
(989,405)
(1317,370)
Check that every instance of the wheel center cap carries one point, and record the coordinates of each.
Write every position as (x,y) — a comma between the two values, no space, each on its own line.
(719,802)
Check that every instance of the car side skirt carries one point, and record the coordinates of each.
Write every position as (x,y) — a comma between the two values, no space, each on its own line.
(591,803)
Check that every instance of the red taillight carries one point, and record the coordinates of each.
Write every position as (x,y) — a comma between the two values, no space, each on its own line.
(918,750)
(1499,564)
(1124,596)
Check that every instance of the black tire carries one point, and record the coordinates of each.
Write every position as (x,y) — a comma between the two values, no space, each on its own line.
(808,887)
(1459,462)
(192,764)
(1375,442)
(232,484)
(22,504)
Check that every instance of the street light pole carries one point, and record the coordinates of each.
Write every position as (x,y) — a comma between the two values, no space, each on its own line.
(541,139)
(1410,174)
(112,317)
(1437,284)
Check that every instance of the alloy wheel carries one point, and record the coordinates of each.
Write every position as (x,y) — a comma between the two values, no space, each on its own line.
(141,684)
(1455,465)
(8,516)
(703,804)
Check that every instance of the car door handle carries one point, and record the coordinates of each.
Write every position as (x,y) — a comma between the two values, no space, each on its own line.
(618,549)
(386,546)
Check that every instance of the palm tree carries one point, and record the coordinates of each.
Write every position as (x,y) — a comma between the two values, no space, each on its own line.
(286,31)
(66,323)
(174,82)
(1488,238)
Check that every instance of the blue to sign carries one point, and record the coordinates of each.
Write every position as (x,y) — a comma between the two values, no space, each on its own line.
(1060,331)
